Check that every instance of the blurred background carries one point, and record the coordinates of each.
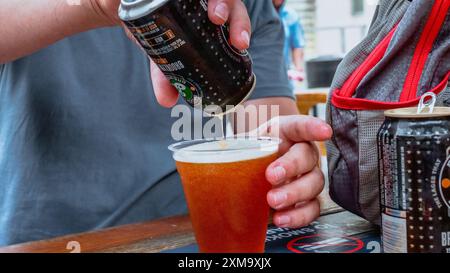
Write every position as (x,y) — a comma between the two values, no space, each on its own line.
(330,29)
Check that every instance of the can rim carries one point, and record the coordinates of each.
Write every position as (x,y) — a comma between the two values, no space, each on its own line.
(182,145)
(136,9)
(411,113)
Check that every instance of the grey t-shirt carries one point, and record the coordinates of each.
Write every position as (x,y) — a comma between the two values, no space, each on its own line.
(83,143)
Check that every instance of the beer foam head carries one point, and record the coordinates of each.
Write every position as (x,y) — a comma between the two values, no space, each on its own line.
(229,150)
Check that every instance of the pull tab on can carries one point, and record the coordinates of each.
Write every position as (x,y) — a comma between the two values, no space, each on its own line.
(430,104)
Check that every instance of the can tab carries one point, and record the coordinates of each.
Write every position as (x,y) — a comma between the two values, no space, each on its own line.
(428,100)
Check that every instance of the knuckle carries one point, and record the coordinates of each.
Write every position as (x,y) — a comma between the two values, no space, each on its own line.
(298,128)
(288,163)
(306,193)
(318,184)
(300,219)
(316,213)
(239,3)
(297,162)
(314,152)
(305,215)
(320,175)
(300,148)
(311,190)
(301,157)
(290,197)
(295,193)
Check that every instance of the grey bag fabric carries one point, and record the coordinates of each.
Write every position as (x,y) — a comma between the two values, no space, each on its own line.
(405,54)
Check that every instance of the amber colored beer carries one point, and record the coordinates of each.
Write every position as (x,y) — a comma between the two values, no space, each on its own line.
(226,194)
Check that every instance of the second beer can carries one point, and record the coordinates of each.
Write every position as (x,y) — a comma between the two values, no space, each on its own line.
(414,163)
(192,52)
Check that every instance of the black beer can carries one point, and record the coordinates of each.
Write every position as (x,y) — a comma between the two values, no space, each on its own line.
(192,52)
(414,164)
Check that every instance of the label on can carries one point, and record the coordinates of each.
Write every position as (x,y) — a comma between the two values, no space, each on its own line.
(190,91)
(394,232)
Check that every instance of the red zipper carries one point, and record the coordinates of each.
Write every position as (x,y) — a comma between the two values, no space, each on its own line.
(349,103)
(423,49)
(350,85)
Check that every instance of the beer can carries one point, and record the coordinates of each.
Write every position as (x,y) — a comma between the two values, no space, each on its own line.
(414,164)
(193,53)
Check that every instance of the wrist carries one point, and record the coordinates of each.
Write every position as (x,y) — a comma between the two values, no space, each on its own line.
(75,16)
(97,15)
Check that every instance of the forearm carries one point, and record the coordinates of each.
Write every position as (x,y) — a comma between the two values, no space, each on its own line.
(29,25)
(298,58)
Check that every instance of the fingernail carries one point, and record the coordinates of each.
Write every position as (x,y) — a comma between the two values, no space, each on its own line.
(319,123)
(279,173)
(279,198)
(322,124)
(326,128)
(284,220)
(221,11)
(245,37)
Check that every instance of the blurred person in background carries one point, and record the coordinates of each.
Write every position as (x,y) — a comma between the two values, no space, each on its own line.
(294,41)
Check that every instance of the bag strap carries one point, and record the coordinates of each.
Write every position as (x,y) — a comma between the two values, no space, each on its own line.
(364,104)
(429,35)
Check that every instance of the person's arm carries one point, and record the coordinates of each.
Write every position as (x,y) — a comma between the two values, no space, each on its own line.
(298,58)
(297,45)
(27,26)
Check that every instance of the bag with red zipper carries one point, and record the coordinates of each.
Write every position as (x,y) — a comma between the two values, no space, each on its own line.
(405,54)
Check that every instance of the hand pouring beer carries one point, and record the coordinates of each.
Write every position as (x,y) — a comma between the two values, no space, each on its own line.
(194,49)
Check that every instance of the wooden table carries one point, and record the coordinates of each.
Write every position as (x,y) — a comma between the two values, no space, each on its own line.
(157,236)
(310,98)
